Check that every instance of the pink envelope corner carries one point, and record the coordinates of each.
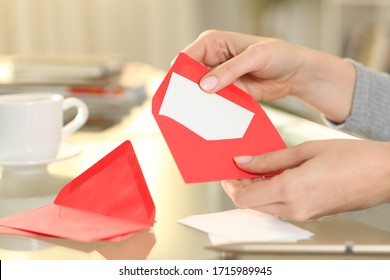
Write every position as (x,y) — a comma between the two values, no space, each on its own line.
(201,160)
(108,200)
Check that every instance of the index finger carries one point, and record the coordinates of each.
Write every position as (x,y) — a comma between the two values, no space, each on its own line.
(209,48)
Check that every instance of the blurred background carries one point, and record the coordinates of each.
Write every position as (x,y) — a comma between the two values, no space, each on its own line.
(154,31)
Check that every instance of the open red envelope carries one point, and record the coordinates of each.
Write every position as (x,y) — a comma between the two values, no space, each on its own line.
(205,131)
(108,201)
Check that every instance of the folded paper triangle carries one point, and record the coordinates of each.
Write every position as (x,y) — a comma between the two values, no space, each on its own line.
(205,131)
(109,200)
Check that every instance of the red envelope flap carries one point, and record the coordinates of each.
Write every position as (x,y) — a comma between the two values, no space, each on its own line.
(210,160)
(114,186)
(60,221)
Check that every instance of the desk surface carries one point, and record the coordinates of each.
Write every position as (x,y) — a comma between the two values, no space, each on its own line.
(173,198)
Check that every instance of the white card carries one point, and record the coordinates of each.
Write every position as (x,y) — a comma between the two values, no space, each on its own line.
(210,116)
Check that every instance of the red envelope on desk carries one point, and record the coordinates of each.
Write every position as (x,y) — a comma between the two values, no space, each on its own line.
(205,131)
(108,201)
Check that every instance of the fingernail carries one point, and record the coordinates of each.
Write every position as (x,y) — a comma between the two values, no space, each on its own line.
(209,83)
(243,159)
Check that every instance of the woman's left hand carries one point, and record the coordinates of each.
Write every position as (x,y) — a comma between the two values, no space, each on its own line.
(317,178)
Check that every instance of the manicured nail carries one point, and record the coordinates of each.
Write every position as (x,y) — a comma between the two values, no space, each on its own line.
(243,159)
(209,83)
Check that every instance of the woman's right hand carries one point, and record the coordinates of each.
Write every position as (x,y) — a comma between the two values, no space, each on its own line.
(268,69)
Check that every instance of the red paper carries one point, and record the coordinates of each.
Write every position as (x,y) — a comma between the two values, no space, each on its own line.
(199,159)
(107,201)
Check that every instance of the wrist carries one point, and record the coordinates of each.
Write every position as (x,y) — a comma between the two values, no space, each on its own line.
(382,186)
(327,83)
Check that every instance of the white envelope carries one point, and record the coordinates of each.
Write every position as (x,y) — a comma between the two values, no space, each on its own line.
(210,116)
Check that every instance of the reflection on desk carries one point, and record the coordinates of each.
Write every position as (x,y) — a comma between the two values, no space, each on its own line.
(136,247)
(335,238)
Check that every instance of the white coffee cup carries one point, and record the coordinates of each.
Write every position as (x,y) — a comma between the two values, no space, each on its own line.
(31,125)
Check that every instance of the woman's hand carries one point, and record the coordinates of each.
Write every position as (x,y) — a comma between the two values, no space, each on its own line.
(269,68)
(319,178)
(263,67)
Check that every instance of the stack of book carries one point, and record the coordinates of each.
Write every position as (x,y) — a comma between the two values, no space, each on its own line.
(94,79)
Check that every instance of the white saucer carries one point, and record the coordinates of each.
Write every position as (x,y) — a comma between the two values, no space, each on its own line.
(66,151)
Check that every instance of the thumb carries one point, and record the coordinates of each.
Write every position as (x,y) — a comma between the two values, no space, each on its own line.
(227,72)
(270,162)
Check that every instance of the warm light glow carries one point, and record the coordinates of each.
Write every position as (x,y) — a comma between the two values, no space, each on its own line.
(6,71)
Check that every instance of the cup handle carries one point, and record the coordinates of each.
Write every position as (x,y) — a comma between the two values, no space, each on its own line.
(79,120)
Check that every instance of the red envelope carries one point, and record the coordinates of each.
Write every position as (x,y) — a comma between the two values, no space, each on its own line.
(205,131)
(106,202)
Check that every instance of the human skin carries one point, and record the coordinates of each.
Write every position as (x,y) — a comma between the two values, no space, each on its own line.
(317,178)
